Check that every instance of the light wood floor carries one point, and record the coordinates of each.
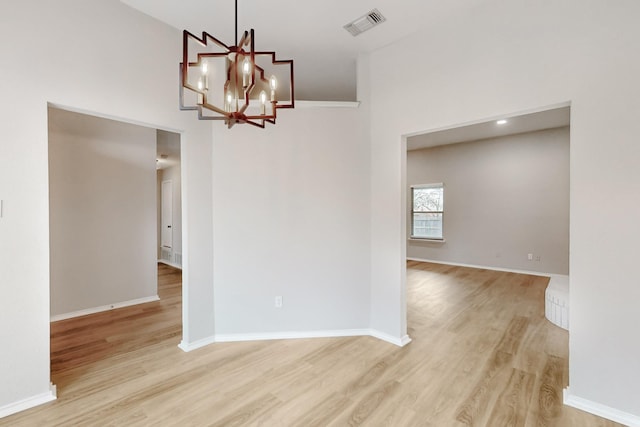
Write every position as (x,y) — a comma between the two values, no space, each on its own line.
(482,355)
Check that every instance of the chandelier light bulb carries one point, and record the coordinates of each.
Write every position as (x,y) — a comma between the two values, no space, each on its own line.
(246,71)
(229,101)
(246,66)
(263,102)
(200,96)
(273,84)
(204,81)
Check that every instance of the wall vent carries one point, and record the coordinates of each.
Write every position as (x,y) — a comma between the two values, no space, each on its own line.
(177,258)
(365,22)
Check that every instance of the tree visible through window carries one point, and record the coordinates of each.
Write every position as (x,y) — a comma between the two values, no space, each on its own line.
(427,211)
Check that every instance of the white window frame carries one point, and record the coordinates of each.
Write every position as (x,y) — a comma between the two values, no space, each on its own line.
(413,212)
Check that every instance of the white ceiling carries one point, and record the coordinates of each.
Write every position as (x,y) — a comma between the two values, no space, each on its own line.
(548,119)
(324,53)
(309,32)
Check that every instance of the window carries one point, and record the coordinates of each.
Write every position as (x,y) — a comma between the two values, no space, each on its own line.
(427,211)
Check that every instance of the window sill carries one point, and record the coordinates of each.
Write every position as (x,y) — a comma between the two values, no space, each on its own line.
(426,240)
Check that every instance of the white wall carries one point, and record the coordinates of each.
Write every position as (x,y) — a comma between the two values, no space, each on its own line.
(291,219)
(101,57)
(499,57)
(102,208)
(504,198)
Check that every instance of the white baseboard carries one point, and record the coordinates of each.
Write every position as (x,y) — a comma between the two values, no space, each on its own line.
(29,402)
(600,410)
(292,335)
(187,347)
(400,342)
(483,267)
(108,307)
(170,264)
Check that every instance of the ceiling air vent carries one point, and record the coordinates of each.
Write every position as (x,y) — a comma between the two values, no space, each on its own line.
(365,22)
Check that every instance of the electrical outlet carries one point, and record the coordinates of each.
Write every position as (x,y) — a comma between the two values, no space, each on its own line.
(537,257)
(530,257)
(278,302)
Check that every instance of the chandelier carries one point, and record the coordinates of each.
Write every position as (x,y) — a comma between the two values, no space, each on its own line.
(236,84)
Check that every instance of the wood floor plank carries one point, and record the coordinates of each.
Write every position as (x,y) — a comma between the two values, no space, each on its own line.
(324,412)
(365,409)
(474,410)
(549,398)
(513,403)
(482,354)
(249,413)
(516,329)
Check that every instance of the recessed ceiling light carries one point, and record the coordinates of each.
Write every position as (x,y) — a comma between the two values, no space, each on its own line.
(501,122)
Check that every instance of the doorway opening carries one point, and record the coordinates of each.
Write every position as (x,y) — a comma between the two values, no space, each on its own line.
(103,207)
(169,197)
(506,193)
